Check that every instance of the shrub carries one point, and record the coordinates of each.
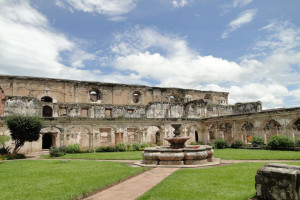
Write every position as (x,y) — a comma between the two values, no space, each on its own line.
(73,148)
(220,144)
(297,142)
(112,149)
(128,146)
(280,142)
(257,141)
(4,150)
(57,151)
(193,143)
(15,156)
(199,143)
(136,146)
(121,147)
(102,149)
(143,145)
(4,139)
(237,144)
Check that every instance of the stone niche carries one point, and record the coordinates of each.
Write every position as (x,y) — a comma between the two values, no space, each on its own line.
(278,182)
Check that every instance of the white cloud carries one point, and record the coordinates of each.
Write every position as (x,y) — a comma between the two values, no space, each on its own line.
(244,18)
(111,8)
(29,46)
(180,3)
(240,3)
(168,60)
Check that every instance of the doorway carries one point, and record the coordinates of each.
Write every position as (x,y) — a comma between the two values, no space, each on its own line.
(47,141)
(196,136)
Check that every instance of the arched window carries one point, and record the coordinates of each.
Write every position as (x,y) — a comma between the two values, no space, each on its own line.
(208,97)
(94,95)
(296,125)
(46,99)
(136,97)
(47,111)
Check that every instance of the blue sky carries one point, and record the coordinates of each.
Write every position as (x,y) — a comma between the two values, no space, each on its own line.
(249,48)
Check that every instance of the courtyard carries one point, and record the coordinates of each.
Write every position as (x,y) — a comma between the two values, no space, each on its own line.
(77,176)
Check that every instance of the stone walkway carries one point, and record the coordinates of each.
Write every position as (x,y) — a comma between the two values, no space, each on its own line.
(134,187)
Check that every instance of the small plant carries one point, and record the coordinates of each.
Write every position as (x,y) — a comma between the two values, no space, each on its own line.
(73,148)
(193,143)
(143,145)
(102,149)
(112,149)
(136,146)
(257,141)
(297,142)
(220,144)
(4,150)
(280,142)
(57,151)
(199,143)
(14,156)
(237,144)
(158,144)
(4,139)
(121,147)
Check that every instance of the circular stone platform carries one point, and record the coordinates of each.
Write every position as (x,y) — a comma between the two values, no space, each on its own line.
(189,156)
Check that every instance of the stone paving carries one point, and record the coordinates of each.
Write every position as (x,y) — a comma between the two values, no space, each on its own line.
(134,187)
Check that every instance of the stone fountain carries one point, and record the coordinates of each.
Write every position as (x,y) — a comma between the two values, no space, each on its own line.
(177,153)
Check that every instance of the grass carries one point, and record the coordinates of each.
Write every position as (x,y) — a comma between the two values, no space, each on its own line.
(250,154)
(233,182)
(128,155)
(226,154)
(52,179)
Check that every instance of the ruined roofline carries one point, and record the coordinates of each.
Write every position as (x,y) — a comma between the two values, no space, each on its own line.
(102,83)
(256,113)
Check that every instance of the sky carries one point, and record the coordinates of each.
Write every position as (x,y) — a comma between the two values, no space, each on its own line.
(249,48)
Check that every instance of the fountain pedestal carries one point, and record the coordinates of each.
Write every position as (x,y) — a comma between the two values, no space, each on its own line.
(178,153)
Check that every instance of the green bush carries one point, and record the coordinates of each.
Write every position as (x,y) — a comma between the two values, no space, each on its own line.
(297,142)
(4,150)
(14,156)
(121,147)
(220,144)
(280,142)
(199,143)
(73,148)
(57,151)
(257,141)
(112,149)
(143,145)
(237,144)
(102,149)
(136,146)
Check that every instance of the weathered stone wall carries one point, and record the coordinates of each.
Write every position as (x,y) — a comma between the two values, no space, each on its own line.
(23,106)
(69,91)
(278,182)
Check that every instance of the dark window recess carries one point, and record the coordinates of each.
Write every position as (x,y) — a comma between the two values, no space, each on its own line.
(46,99)
(47,111)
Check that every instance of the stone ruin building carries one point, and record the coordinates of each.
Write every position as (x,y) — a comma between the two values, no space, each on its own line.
(95,114)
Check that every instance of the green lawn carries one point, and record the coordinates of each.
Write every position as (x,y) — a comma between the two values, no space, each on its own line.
(250,154)
(52,179)
(128,155)
(233,182)
(226,154)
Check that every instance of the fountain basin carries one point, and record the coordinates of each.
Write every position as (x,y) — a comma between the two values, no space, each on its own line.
(177,142)
(190,155)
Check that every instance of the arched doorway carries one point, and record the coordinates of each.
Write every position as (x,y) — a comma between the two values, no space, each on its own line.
(47,111)
(47,141)
(157,138)
(196,136)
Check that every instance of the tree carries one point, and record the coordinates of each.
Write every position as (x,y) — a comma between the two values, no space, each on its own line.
(23,129)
